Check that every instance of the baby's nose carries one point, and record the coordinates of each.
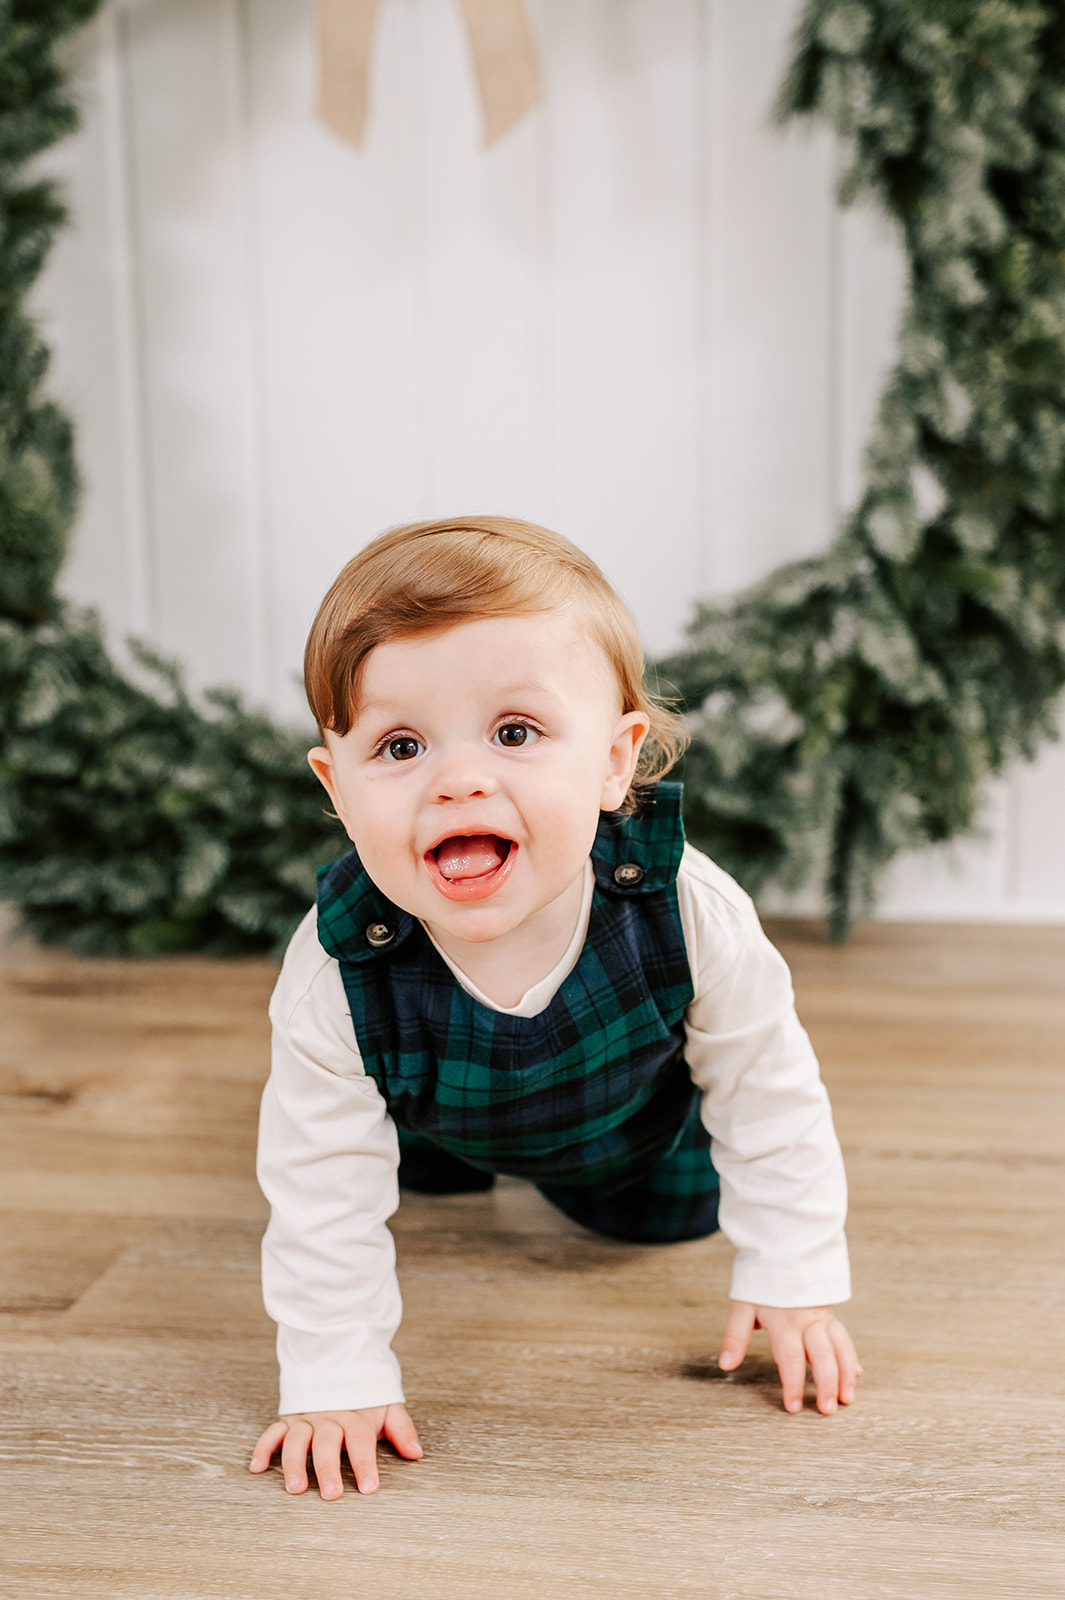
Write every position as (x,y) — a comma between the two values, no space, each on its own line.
(463,777)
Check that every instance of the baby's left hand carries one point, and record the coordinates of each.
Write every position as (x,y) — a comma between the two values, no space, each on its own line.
(797,1335)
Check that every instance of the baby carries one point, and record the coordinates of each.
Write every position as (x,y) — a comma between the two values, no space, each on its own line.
(520,968)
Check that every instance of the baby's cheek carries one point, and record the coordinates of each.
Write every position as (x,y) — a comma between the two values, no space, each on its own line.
(377,832)
(388,853)
(566,838)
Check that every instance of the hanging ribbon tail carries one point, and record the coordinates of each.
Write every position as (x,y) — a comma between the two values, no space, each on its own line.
(505,61)
(345,38)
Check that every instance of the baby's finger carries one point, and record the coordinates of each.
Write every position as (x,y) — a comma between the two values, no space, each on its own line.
(736,1338)
(325,1452)
(361,1442)
(824,1366)
(294,1448)
(266,1445)
(849,1365)
(401,1433)
(790,1357)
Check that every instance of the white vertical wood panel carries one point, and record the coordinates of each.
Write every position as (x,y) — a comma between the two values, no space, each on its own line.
(480,236)
(769,423)
(970,875)
(622,295)
(254,528)
(127,305)
(75,302)
(341,293)
(1037,880)
(188,176)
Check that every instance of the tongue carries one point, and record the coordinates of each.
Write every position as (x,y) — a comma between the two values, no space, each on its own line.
(470,855)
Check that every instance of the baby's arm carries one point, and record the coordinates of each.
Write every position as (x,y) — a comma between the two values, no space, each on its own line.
(325,1434)
(327,1165)
(783,1189)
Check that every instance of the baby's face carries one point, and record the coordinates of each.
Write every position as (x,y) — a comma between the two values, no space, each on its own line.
(473,777)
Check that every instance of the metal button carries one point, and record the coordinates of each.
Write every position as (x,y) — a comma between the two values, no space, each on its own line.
(379,934)
(627,874)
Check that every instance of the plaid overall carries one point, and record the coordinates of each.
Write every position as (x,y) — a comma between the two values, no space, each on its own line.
(591,1099)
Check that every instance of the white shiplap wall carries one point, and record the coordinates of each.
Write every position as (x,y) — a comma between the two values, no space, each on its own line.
(639,319)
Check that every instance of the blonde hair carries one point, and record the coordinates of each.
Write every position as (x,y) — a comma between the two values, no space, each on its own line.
(427,576)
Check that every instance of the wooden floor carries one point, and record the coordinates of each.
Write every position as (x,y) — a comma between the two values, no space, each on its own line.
(579,1438)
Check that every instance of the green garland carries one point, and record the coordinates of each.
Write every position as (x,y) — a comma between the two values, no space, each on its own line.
(130,819)
(853,704)
(847,708)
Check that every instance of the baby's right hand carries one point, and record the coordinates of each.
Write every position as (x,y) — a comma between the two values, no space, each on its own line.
(323,1433)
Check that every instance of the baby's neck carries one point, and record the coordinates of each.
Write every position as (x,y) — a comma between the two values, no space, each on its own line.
(505,969)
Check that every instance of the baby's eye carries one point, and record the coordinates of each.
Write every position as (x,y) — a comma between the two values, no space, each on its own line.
(514,734)
(402,749)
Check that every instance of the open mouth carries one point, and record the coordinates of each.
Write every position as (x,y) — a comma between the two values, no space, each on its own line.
(470,866)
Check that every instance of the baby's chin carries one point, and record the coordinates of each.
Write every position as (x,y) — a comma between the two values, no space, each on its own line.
(472,924)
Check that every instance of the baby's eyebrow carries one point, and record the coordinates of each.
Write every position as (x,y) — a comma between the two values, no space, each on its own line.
(503,693)
(510,691)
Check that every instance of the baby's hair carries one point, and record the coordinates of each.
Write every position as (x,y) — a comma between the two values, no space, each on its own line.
(424,577)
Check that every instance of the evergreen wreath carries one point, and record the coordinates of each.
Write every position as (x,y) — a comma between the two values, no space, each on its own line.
(848,707)
(853,704)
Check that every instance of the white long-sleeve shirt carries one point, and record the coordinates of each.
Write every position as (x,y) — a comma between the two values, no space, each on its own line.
(328,1150)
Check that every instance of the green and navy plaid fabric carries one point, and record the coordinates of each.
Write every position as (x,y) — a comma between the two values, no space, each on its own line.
(592,1095)
(676,1200)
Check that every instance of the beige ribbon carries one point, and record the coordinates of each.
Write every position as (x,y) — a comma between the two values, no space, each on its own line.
(504,59)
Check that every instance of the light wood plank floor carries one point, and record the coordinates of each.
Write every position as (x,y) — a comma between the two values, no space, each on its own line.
(579,1438)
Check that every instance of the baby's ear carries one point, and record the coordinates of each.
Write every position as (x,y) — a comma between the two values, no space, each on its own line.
(321,764)
(629,735)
